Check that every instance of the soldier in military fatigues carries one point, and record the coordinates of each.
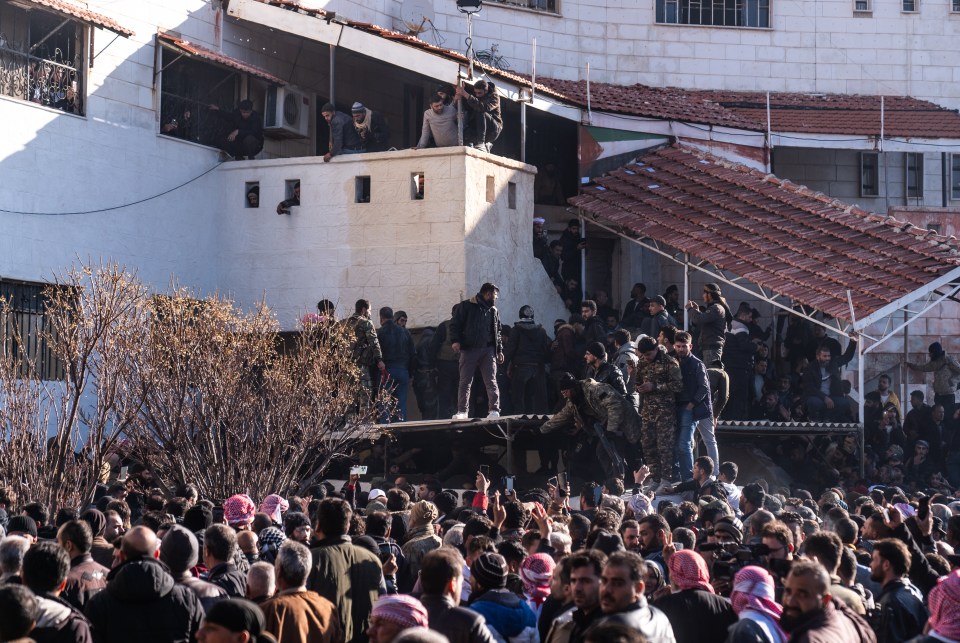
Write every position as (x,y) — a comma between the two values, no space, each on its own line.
(364,346)
(590,403)
(658,382)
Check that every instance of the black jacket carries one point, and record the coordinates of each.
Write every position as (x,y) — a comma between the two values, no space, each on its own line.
(231,579)
(810,379)
(608,374)
(142,603)
(738,350)
(476,325)
(697,616)
(696,388)
(649,621)
(397,347)
(458,624)
(60,622)
(594,330)
(902,614)
(528,344)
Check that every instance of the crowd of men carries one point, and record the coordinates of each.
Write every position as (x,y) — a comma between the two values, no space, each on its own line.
(708,560)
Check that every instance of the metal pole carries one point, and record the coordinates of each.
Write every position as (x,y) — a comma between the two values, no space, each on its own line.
(333,75)
(589,113)
(944,178)
(903,365)
(686,291)
(583,258)
(861,400)
(523,131)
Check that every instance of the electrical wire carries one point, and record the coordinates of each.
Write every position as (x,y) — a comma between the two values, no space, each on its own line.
(118,207)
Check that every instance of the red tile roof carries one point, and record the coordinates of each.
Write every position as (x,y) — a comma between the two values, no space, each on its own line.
(778,235)
(841,114)
(83,14)
(790,113)
(218,58)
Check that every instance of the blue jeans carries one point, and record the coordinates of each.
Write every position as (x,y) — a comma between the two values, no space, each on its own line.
(398,386)
(683,452)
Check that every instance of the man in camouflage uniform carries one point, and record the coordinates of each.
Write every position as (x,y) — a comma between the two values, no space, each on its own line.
(364,345)
(589,404)
(658,382)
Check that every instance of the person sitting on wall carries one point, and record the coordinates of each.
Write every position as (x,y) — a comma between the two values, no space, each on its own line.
(244,131)
(371,127)
(344,138)
(284,206)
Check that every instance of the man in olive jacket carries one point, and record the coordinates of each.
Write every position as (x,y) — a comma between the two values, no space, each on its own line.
(348,576)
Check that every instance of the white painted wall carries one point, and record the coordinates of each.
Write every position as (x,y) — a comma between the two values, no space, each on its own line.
(421,256)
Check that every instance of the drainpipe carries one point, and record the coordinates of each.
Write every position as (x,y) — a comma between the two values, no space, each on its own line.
(333,74)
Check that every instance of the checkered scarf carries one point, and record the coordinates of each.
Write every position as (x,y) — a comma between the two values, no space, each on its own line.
(239,509)
(401,609)
(536,572)
(274,506)
(753,590)
(688,570)
(944,601)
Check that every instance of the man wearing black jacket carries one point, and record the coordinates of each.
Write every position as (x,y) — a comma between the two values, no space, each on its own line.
(821,385)
(902,614)
(481,105)
(526,354)
(475,333)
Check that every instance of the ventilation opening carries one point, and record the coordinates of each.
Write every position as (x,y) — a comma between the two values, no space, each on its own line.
(251,194)
(417,182)
(362,189)
(491,190)
(512,195)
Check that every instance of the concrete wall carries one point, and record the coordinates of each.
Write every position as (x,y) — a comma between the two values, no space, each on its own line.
(421,256)
(837,173)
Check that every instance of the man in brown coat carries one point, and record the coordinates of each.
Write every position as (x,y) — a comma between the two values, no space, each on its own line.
(295,614)
(86,576)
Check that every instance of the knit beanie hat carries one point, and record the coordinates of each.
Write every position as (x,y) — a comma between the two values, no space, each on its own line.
(935,350)
(23,525)
(358,107)
(597,350)
(179,549)
(490,570)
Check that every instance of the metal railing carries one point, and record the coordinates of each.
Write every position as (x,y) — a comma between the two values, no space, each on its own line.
(44,81)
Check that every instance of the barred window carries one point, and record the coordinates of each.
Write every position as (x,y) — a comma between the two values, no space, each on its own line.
(41,58)
(715,13)
(869,174)
(188,87)
(24,329)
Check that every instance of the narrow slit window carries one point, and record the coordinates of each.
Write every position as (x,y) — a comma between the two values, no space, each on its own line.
(251,194)
(512,195)
(417,186)
(491,190)
(362,189)
(291,191)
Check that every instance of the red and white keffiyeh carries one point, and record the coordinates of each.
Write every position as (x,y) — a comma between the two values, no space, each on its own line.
(944,602)
(688,570)
(239,509)
(536,572)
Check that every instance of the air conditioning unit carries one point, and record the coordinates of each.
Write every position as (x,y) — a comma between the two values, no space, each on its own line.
(286,113)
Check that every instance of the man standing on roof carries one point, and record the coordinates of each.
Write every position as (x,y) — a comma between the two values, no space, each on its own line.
(946,374)
(475,333)
(481,105)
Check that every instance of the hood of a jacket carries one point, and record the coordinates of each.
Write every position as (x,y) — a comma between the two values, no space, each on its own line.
(53,613)
(737,327)
(527,326)
(504,611)
(140,581)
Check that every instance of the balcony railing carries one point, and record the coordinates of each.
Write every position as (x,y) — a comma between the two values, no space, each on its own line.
(49,82)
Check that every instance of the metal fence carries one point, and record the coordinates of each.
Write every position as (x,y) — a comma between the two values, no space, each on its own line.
(46,81)
(24,330)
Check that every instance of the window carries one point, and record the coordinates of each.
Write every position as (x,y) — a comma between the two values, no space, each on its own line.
(716,13)
(512,195)
(491,189)
(862,6)
(362,189)
(914,178)
(417,185)
(251,194)
(188,87)
(869,174)
(24,329)
(955,176)
(547,6)
(41,58)
(955,6)
(934,227)
(910,6)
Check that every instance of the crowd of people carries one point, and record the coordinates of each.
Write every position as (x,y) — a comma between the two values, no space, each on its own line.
(389,561)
